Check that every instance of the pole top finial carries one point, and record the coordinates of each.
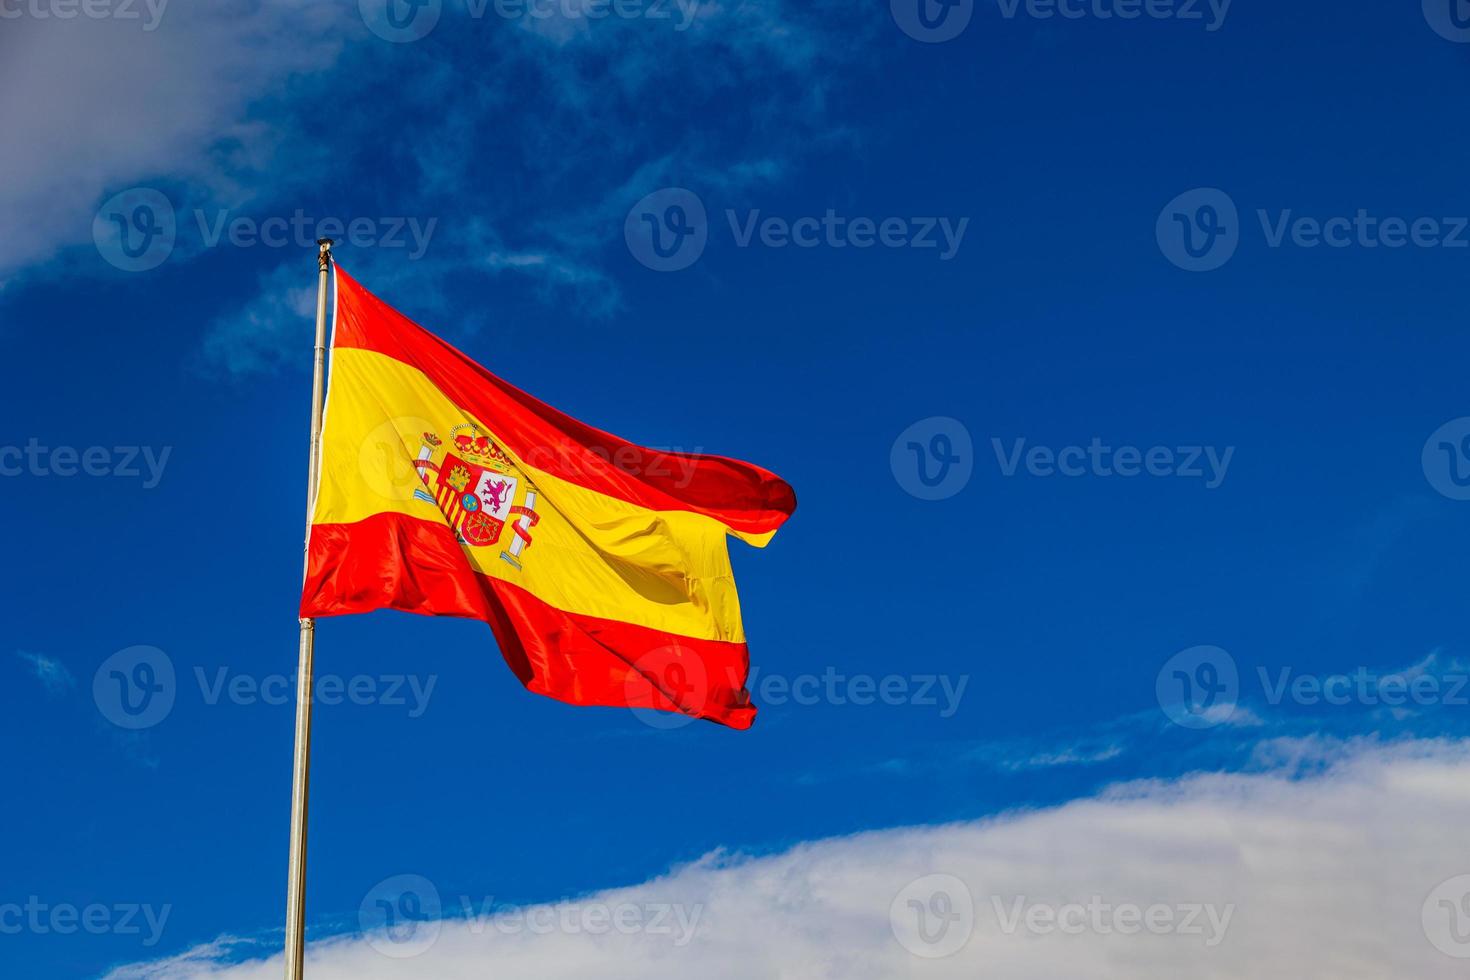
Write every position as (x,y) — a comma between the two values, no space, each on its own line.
(324,254)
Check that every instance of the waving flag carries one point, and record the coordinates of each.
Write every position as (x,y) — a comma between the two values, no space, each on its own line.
(600,565)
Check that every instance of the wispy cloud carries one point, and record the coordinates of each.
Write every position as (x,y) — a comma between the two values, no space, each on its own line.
(255,338)
(526,138)
(1261,727)
(52,673)
(1079,753)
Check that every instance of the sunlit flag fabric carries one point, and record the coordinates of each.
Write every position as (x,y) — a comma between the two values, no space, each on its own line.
(600,565)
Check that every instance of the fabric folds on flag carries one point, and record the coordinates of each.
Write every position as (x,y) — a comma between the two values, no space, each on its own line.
(600,565)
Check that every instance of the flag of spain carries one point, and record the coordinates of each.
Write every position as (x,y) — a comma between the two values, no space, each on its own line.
(600,565)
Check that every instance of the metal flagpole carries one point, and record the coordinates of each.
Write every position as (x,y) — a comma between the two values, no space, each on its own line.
(296,889)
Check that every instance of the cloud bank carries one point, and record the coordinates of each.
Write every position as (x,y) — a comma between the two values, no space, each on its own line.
(1342,861)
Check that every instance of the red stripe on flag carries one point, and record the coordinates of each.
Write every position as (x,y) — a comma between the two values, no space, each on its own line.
(579,659)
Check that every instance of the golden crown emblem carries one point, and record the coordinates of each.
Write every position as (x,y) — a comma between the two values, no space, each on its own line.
(475,446)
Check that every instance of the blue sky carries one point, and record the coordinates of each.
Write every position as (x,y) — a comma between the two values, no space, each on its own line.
(505,167)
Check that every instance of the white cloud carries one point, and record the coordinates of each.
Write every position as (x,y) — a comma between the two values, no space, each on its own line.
(52,673)
(1326,875)
(1232,715)
(92,106)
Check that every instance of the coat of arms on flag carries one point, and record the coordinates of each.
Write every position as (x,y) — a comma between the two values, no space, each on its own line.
(475,487)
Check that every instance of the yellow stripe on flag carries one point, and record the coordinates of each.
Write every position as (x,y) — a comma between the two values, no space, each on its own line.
(590,554)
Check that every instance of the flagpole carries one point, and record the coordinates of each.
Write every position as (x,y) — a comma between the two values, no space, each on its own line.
(296,888)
